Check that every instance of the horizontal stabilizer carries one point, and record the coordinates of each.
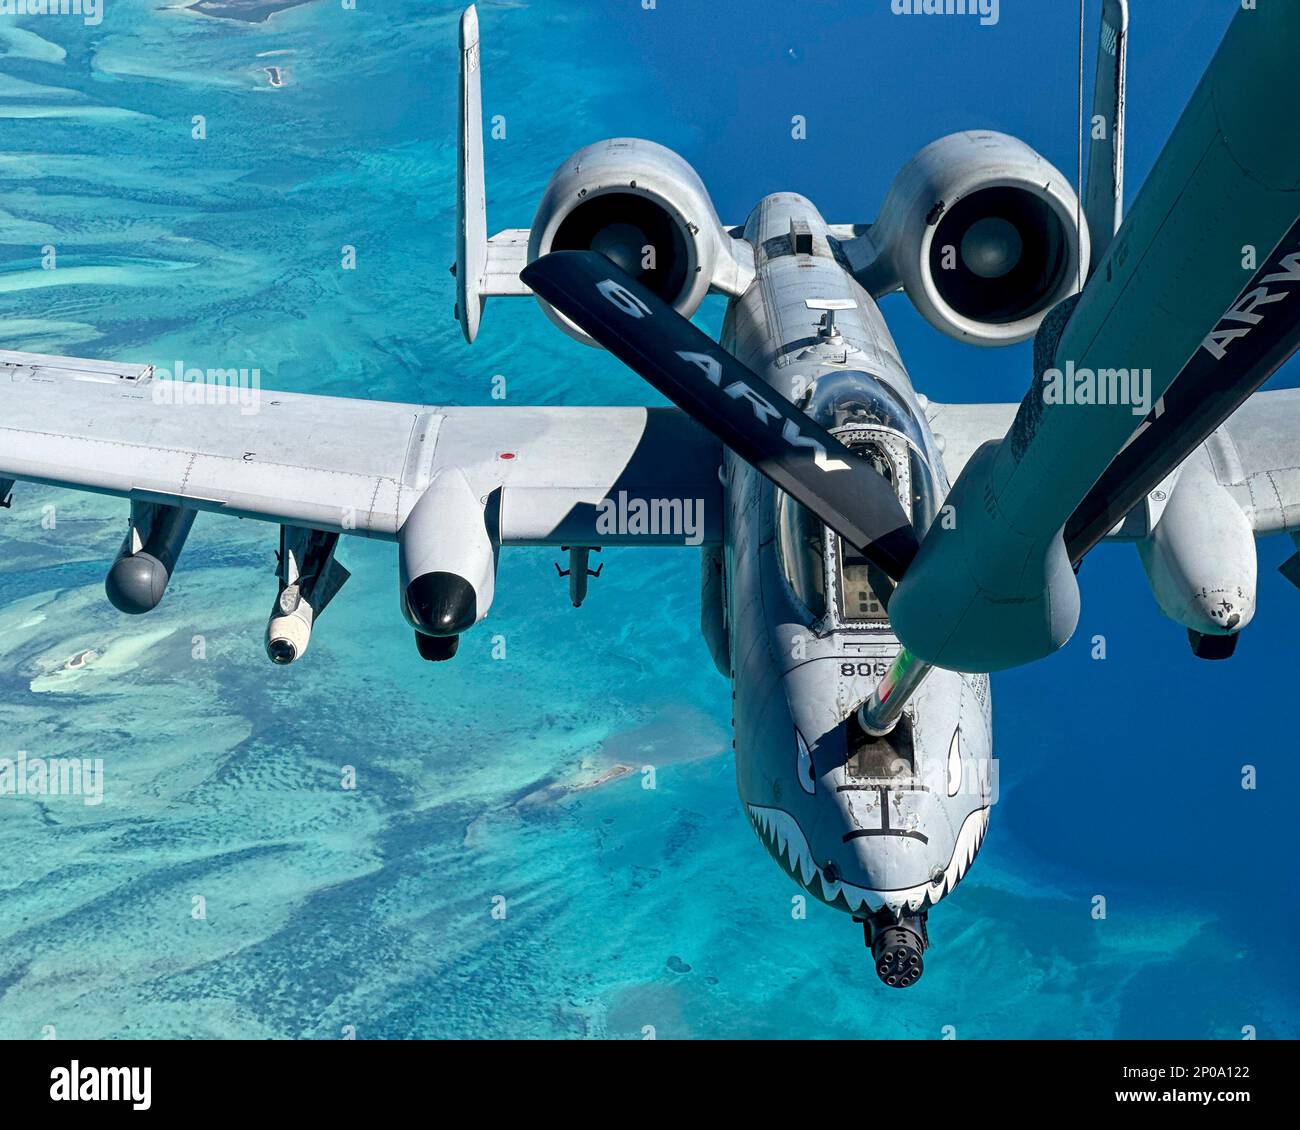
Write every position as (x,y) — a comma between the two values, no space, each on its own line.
(744,412)
(507,256)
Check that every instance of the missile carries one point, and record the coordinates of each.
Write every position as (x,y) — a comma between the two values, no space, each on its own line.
(579,571)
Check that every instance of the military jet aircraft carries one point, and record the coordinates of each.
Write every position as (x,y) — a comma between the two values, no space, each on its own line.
(868,556)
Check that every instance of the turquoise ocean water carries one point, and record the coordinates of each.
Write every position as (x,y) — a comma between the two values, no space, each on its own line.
(627,909)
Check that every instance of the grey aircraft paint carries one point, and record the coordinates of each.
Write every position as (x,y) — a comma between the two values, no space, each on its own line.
(862,824)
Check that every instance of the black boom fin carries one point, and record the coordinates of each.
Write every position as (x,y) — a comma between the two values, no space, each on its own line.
(729,400)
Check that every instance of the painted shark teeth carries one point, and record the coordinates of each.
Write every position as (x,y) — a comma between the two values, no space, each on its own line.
(781,833)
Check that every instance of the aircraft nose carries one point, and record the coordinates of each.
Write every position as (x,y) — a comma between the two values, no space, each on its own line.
(442,604)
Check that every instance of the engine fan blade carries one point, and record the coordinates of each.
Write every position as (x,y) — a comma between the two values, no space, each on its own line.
(721,394)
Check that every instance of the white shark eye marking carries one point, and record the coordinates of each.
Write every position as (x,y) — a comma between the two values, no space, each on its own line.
(954,763)
(804,766)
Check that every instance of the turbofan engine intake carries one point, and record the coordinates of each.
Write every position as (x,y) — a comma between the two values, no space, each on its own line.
(985,236)
(645,208)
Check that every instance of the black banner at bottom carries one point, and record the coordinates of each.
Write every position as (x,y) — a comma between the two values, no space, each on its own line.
(338,1078)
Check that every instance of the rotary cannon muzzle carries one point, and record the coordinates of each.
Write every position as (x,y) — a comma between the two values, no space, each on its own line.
(896,950)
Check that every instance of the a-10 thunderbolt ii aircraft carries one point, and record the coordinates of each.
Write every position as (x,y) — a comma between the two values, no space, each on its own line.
(856,600)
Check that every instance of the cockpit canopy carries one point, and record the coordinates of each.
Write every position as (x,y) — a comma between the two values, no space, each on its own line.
(827,576)
(850,397)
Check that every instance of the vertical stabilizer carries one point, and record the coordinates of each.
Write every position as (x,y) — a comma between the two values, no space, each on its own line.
(471,204)
(1104,200)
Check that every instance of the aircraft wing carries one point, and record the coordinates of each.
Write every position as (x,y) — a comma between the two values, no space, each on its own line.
(1255,454)
(964,428)
(344,465)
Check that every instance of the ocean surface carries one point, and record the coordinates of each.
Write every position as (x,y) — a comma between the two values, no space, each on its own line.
(494,873)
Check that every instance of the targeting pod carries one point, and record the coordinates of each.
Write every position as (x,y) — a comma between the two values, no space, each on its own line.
(310,578)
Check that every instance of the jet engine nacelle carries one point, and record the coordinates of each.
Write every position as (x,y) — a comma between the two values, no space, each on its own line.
(646,209)
(1200,559)
(448,563)
(140,574)
(983,234)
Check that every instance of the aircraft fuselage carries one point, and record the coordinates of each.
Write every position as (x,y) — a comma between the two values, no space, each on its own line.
(881,828)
